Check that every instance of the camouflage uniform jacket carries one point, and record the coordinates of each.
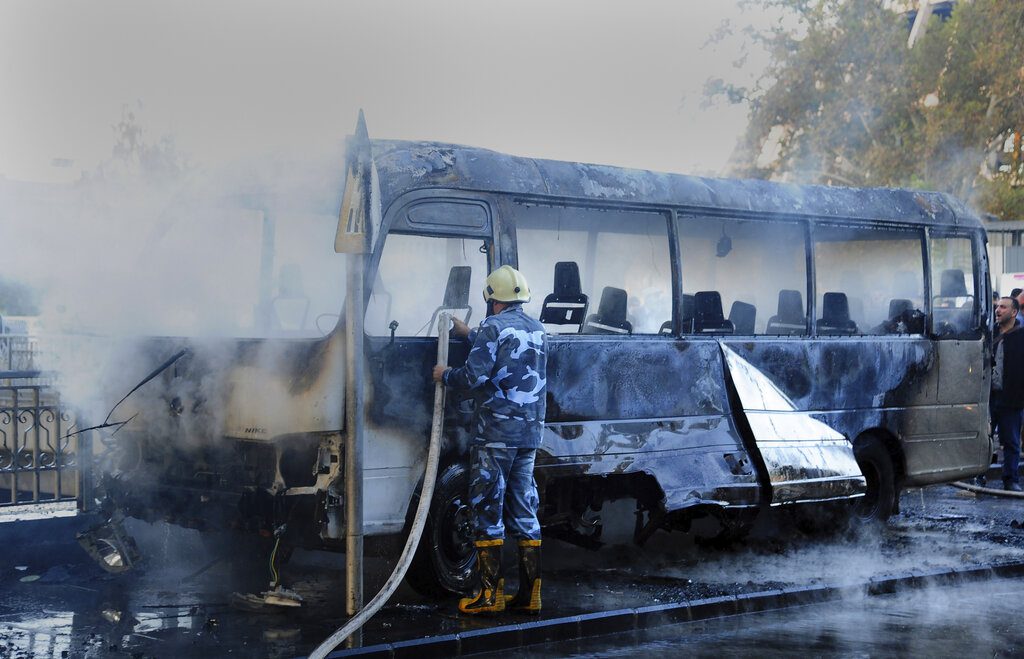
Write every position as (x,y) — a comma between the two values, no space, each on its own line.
(507,370)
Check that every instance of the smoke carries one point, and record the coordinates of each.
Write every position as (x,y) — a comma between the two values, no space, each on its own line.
(776,554)
(140,247)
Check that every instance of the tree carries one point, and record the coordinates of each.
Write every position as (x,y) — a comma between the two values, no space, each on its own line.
(134,156)
(844,101)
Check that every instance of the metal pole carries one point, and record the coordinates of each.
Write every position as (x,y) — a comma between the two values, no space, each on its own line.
(353,238)
(354,436)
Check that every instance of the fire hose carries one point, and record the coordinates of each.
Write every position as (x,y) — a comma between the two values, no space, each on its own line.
(426,494)
(991,491)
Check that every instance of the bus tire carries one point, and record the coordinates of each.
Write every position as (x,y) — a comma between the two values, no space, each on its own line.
(445,558)
(875,462)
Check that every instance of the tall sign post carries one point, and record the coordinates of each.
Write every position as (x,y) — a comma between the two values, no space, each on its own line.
(353,238)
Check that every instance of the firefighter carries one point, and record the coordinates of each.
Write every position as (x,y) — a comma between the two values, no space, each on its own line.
(507,372)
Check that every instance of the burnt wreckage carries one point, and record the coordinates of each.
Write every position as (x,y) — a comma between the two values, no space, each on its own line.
(851,363)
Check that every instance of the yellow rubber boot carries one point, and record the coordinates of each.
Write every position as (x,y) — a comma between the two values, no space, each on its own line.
(527,599)
(491,597)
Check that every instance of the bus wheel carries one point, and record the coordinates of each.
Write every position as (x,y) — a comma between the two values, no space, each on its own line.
(875,463)
(445,558)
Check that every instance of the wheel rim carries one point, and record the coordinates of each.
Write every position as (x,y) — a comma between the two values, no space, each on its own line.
(455,537)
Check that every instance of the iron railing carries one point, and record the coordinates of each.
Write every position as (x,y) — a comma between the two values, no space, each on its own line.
(41,456)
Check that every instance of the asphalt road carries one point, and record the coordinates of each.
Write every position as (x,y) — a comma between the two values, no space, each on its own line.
(57,603)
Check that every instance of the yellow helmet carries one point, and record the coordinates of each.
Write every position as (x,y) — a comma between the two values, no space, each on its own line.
(506,284)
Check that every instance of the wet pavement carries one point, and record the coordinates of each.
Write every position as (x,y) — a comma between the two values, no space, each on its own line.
(57,603)
(978,620)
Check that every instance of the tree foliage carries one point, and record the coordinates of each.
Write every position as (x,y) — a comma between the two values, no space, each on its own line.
(845,101)
(136,157)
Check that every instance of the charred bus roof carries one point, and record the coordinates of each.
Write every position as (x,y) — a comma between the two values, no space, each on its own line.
(405,166)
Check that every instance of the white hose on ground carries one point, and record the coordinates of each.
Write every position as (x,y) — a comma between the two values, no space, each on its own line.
(991,491)
(426,494)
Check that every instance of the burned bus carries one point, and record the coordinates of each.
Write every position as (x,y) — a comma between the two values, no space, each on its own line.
(715,347)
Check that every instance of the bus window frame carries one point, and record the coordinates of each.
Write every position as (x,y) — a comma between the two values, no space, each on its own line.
(802,222)
(923,241)
(508,205)
(981,313)
(394,214)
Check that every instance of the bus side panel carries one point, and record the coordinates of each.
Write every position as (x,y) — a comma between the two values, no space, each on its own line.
(847,373)
(859,384)
(803,458)
(951,440)
(399,401)
(627,405)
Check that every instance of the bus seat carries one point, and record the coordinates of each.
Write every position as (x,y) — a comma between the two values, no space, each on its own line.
(567,305)
(708,318)
(953,306)
(952,284)
(790,318)
(899,306)
(611,314)
(835,315)
(742,316)
(902,312)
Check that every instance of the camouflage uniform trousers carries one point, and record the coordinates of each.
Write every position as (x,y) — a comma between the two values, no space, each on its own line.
(502,490)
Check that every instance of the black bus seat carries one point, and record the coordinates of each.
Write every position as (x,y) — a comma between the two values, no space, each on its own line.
(709,318)
(953,284)
(791,319)
(611,314)
(953,307)
(835,315)
(902,311)
(685,315)
(742,316)
(899,306)
(567,305)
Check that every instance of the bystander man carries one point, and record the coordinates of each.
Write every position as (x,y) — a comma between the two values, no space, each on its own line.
(1007,401)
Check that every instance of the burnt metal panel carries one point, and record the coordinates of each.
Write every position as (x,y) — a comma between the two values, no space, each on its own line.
(403,166)
(606,379)
(924,393)
(646,405)
(696,460)
(847,372)
(804,458)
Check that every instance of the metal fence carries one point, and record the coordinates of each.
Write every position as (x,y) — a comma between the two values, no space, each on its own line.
(40,456)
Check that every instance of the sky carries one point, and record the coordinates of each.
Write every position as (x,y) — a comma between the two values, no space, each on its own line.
(610,82)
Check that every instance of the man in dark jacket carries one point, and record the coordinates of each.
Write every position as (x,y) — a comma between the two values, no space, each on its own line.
(1007,401)
(507,370)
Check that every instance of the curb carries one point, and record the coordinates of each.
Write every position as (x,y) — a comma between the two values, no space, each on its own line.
(588,625)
